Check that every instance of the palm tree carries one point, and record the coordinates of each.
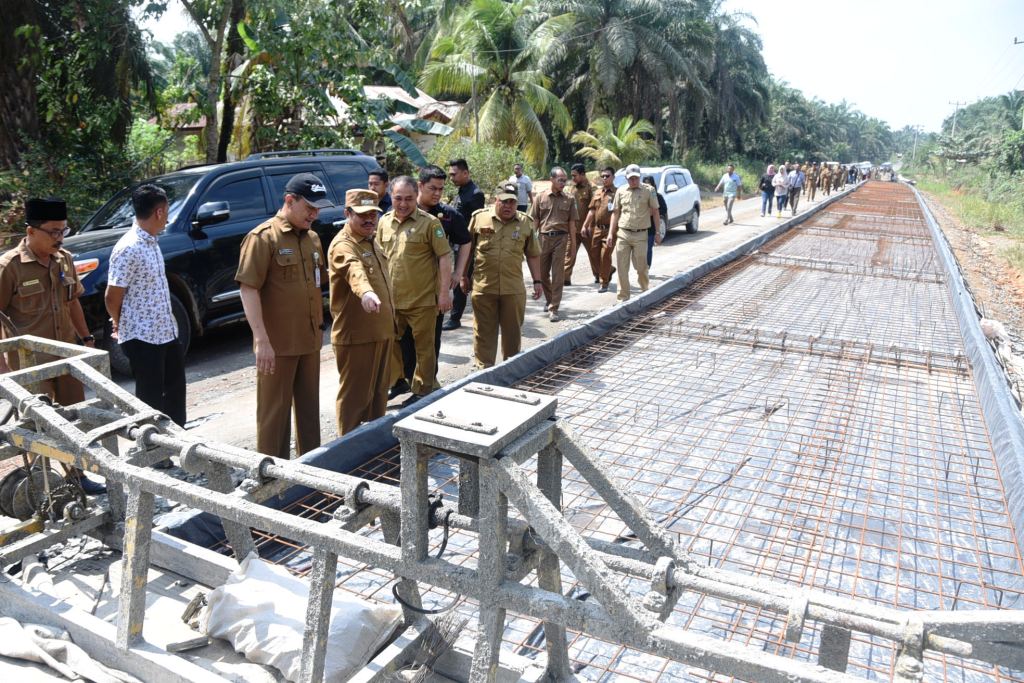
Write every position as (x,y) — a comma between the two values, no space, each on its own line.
(489,56)
(616,145)
(623,47)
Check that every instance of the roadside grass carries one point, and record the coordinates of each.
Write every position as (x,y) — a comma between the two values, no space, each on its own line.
(993,208)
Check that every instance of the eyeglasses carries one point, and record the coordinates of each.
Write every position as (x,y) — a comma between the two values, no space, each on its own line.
(558,180)
(605,175)
(54,234)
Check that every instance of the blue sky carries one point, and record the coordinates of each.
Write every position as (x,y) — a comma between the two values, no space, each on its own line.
(902,61)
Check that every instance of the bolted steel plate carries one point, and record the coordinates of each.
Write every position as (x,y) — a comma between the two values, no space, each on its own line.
(477,419)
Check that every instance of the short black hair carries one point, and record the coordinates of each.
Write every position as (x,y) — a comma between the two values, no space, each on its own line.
(579,168)
(381,173)
(146,199)
(610,169)
(403,180)
(648,180)
(432,172)
(459,164)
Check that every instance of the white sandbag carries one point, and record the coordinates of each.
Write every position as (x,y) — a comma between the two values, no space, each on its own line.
(261,611)
(53,648)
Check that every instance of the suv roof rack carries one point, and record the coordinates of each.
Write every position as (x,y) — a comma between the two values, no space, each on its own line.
(305,153)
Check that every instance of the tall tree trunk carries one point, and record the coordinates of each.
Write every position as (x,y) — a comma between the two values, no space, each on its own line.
(18,116)
(232,60)
(214,36)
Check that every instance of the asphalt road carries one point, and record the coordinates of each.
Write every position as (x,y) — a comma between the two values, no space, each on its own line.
(221,378)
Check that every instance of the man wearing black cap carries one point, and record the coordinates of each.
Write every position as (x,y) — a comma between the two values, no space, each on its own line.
(39,290)
(280,270)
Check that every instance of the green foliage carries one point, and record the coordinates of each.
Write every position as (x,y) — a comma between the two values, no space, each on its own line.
(154,150)
(611,144)
(490,57)
(490,164)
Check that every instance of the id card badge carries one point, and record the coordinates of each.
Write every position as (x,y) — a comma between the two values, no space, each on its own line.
(316,267)
(611,206)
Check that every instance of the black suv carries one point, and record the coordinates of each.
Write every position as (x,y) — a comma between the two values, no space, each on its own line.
(211,210)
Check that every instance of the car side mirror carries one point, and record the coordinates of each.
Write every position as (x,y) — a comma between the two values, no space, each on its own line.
(211,213)
(672,188)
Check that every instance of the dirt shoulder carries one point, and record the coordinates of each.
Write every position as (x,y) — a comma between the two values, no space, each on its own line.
(998,286)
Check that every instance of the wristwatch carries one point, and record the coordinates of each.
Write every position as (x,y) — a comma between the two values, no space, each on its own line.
(88,338)
(538,282)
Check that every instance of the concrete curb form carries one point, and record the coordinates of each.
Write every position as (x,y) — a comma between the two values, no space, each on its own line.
(1000,410)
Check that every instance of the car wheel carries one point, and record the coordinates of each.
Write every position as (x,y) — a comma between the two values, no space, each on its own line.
(119,363)
(694,223)
(662,228)
(184,323)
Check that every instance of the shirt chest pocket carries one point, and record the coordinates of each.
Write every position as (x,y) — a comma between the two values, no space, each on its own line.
(32,296)
(287,266)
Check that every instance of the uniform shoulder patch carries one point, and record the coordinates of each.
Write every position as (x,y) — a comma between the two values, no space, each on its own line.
(439,232)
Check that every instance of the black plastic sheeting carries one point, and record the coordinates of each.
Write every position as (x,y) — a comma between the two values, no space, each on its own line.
(1002,415)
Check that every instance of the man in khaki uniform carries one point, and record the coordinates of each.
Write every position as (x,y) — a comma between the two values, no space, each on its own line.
(554,217)
(634,208)
(39,291)
(582,192)
(502,237)
(597,226)
(280,269)
(363,331)
(419,262)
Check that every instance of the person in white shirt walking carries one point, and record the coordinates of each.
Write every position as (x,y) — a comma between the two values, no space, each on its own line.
(139,303)
(524,188)
(796,180)
(730,185)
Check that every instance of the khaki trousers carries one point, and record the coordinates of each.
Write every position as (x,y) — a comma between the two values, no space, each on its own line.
(631,247)
(552,267)
(604,252)
(363,381)
(296,379)
(421,320)
(573,249)
(492,312)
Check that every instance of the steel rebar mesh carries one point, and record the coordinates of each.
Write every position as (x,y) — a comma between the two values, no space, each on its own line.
(860,474)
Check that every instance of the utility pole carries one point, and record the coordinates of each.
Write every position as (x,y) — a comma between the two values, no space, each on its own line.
(913,157)
(1020,42)
(955,111)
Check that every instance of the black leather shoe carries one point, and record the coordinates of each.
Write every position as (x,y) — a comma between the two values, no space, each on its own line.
(451,324)
(401,387)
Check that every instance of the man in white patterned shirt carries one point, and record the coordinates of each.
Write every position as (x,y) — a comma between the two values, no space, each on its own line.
(139,303)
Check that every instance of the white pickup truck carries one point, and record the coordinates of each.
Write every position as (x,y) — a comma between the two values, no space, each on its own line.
(682,196)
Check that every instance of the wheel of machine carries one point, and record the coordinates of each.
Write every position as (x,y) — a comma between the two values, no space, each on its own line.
(119,362)
(30,492)
(694,222)
(662,228)
(7,487)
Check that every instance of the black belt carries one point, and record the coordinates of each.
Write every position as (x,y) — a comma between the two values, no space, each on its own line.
(555,232)
(636,229)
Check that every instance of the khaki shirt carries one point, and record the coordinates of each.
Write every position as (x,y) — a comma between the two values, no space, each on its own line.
(582,194)
(601,204)
(554,211)
(500,249)
(634,207)
(37,298)
(412,248)
(359,266)
(287,266)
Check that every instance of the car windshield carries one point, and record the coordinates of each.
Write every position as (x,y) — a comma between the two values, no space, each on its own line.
(118,213)
(620,178)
